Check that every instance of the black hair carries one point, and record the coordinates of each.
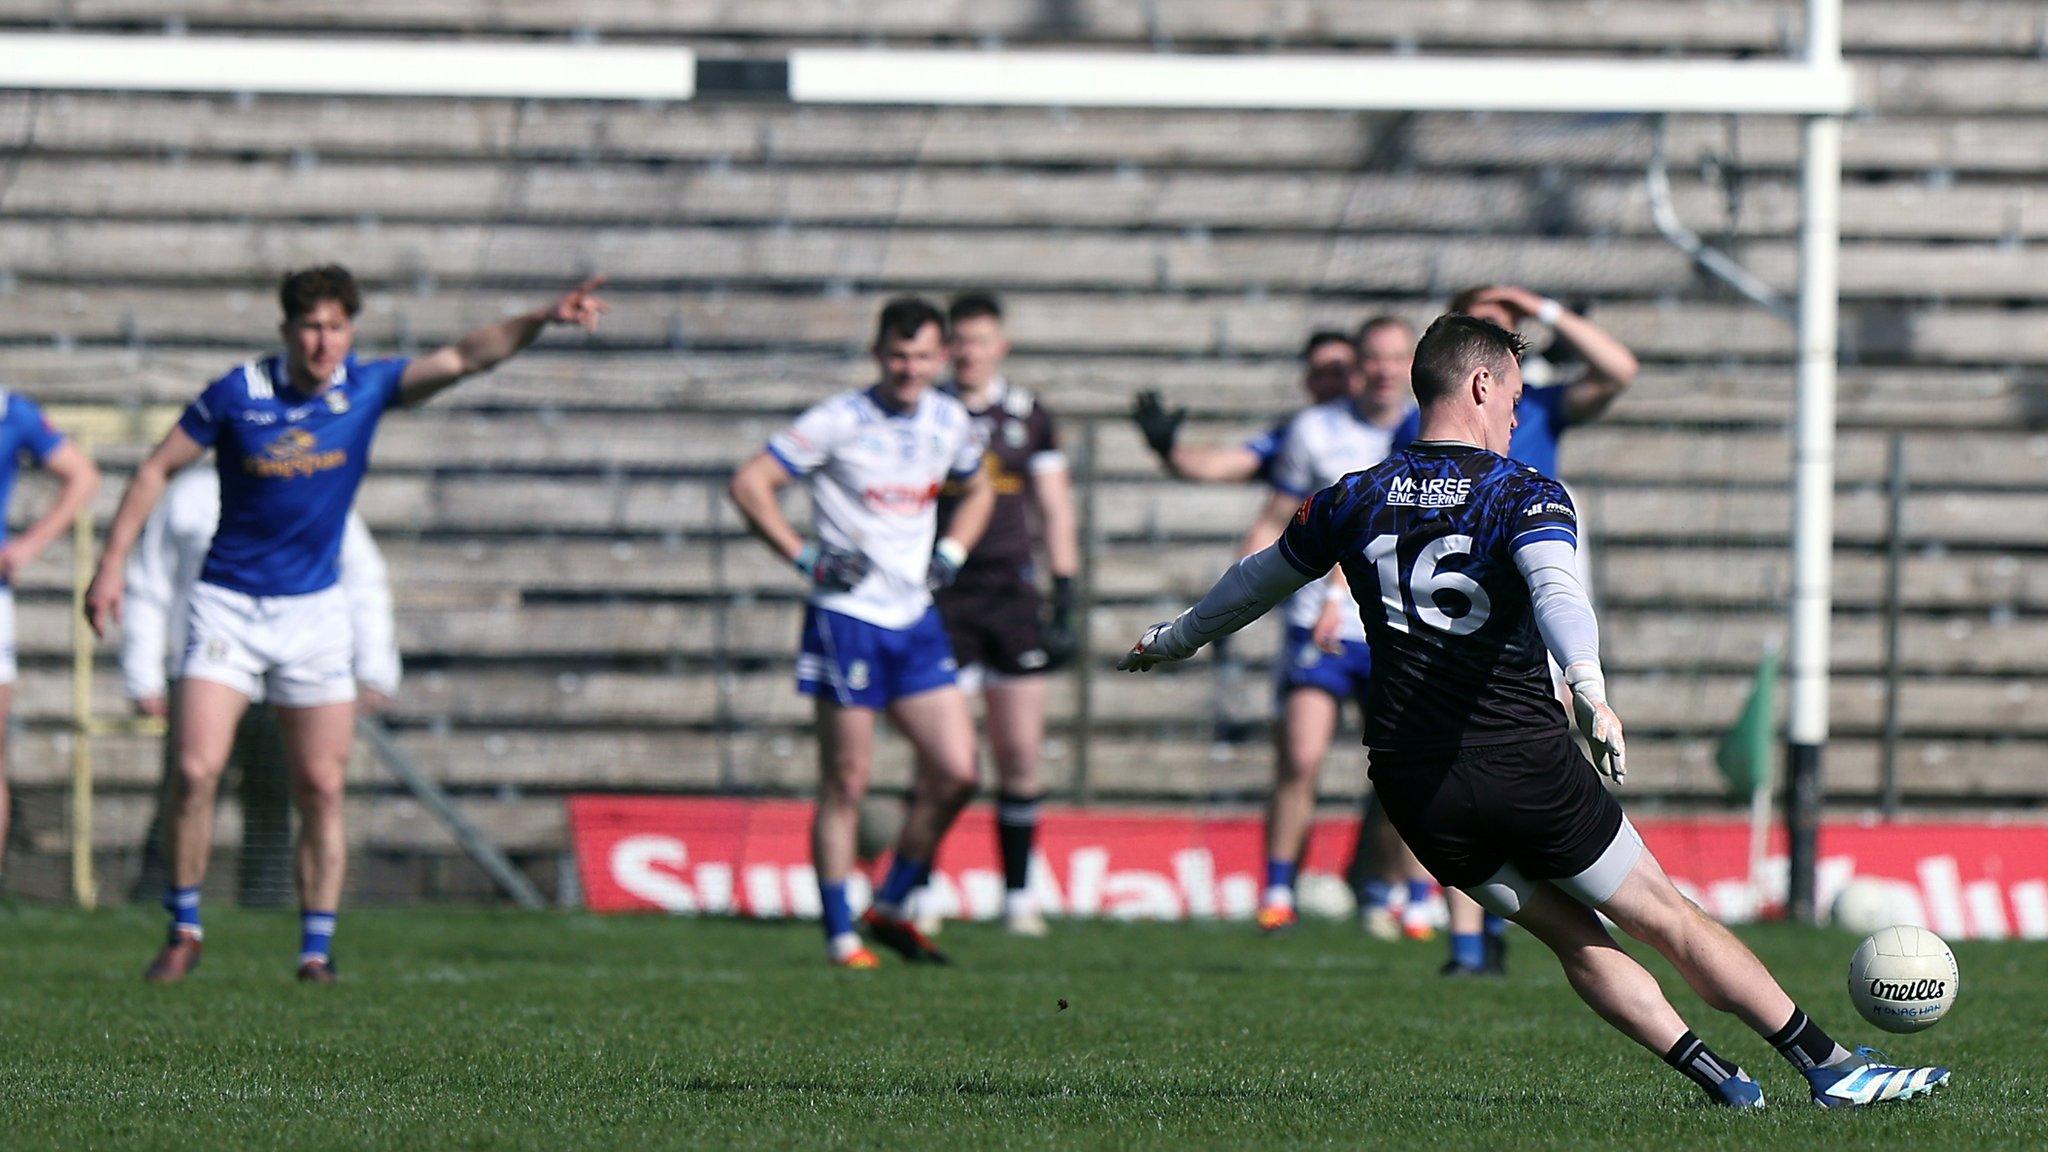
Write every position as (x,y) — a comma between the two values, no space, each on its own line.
(1454,345)
(303,290)
(1323,336)
(905,316)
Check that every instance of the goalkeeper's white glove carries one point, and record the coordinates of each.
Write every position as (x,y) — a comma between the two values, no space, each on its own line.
(1597,721)
(1156,647)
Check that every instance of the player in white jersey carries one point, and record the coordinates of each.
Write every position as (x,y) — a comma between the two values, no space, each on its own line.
(874,462)
(1324,659)
(162,573)
(291,436)
(26,435)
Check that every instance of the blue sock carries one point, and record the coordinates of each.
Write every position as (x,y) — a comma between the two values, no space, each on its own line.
(183,905)
(1496,926)
(316,935)
(1377,893)
(903,878)
(1468,949)
(837,913)
(1418,893)
(1280,874)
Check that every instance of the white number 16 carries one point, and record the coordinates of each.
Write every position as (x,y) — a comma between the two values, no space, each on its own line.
(1424,582)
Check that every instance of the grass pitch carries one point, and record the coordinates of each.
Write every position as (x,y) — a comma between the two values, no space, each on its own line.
(460,1029)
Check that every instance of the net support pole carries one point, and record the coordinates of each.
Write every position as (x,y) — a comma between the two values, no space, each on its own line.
(1813,466)
(83,889)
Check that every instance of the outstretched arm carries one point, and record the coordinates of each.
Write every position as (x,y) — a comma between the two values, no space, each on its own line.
(1246,592)
(489,346)
(1160,426)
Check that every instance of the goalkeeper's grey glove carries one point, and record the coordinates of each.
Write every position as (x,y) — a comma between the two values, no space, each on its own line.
(1597,721)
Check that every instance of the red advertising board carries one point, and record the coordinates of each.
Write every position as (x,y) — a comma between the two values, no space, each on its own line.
(752,858)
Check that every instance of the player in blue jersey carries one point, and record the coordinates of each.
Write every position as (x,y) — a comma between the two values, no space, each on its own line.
(24,432)
(291,435)
(1556,399)
(1461,565)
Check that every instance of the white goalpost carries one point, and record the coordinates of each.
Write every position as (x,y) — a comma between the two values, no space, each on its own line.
(1817,87)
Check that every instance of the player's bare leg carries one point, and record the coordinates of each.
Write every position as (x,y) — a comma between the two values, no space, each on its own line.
(1308,722)
(1016,734)
(940,728)
(846,756)
(1610,981)
(1720,969)
(317,744)
(208,715)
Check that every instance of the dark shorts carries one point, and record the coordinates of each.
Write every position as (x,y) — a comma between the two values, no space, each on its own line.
(1001,629)
(1537,804)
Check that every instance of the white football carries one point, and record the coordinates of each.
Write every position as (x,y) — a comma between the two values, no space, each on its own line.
(1903,978)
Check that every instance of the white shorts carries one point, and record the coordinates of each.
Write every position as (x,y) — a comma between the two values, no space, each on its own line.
(296,651)
(8,666)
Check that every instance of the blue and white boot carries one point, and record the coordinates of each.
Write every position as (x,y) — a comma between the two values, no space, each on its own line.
(1864,1079)
(1738,1091)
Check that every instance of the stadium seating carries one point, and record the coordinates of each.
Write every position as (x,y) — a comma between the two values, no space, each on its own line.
(580,610)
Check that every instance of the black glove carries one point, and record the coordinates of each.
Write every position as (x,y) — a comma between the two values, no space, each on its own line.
(832,569)
(1159,424)
(1062,641)
(945,566)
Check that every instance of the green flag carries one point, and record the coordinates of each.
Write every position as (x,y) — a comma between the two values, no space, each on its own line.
(1745,755)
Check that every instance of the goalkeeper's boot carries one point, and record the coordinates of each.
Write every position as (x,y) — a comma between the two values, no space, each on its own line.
(1738,1091)
(180,955)
(1864,1079)
(902,937)
(1274,919)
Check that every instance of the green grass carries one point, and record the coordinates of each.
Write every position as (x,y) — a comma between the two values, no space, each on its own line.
(499,1030)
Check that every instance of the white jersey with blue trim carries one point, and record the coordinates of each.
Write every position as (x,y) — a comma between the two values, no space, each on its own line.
(874,476)
(290,464)
(1322,445)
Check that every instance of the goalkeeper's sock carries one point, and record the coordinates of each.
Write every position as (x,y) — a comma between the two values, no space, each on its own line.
(1468,949)
(183,905)
(316,935)
(833,909)
(1802,1042)
(904,877)
(1280,883)
(1700,1064)
(1496,926)
(1016,831)
(1376,894)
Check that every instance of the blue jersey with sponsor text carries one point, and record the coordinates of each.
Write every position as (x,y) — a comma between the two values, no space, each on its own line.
(290,465)
(1427,540)
(23,428)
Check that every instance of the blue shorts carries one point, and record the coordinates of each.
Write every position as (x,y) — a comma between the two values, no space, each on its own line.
(1303,665)
(863,665)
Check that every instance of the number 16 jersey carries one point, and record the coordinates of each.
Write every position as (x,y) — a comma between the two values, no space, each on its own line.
(1427,539)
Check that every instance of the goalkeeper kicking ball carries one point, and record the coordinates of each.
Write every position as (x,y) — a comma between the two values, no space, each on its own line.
(1903,979)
